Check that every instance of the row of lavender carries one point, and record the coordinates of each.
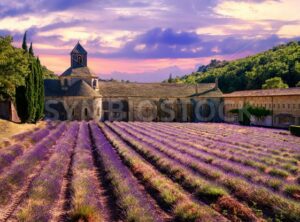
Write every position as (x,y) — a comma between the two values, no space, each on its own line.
(17,171)
(56,177)
(274,161)
(189,159)
(21,143)
(157,172)
(224,157)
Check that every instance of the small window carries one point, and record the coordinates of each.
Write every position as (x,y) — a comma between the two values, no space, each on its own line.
(94,83)
(278,106)
(65,82)
(86,113)
(80,59)
(105,105)
(289,106)
(73,112)
(98,111)
(283,106)
(116,105)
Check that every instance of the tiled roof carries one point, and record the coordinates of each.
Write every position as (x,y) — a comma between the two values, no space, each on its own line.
(80,88)
(79,72)
(118,90)
(53,88)
(79,49)
(156,90)
(265,92)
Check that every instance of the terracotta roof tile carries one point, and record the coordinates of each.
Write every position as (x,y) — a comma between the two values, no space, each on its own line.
(79,72)
(156,90)
(265,92)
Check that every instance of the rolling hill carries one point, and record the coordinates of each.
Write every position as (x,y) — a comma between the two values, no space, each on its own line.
(251,72)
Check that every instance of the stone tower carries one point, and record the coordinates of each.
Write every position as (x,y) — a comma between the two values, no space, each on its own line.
(78,70)
(78,56)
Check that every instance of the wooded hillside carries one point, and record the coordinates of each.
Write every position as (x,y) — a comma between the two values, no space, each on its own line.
(251,72)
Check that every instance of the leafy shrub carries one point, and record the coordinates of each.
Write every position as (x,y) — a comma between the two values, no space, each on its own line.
(295,130)
(248,110)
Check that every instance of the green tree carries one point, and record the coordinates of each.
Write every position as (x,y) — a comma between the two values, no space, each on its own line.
(274,83)
(40,99)
(24,44)
(252,72)
(14,67)
(30,92)
(298,84)
(21,103)
(170,80)
(31,50)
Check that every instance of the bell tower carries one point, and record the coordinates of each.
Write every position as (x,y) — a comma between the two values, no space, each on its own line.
(78,57)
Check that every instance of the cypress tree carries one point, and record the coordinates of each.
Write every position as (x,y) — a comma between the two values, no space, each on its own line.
(30,92)
(21,103)
(170,80)
(31,50)
(24,44)
(40,92)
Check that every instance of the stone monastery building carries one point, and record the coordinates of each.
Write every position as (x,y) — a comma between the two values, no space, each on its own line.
(78,94)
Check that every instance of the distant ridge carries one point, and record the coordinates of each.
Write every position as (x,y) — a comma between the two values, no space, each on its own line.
(251,72)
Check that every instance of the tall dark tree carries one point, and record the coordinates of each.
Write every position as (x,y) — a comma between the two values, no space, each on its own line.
(21,103)
(170,80)
(24,44)
(30,93)
(40,98)
(31,50)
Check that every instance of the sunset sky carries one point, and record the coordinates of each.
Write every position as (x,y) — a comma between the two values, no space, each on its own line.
(143,40)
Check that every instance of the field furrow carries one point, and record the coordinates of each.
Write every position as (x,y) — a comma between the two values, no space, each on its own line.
(201,188)
(43,198)
(150,172)
(204,155)
(238,187)
(132,200)
(169,195)
(87,201)
(282,167)
(16,182)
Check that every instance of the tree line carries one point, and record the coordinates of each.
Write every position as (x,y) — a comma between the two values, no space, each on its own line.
(278,67)
(22,79)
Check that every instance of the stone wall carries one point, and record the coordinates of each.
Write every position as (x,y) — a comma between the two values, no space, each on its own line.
(73,108)
(8,111)
(285,109)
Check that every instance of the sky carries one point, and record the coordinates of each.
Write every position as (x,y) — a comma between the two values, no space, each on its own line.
(146,41)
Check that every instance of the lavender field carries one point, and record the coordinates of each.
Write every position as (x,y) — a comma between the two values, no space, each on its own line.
(87,171)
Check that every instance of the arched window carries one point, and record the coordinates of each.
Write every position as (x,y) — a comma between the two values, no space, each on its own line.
(94,83)
(65,82)
(80,59)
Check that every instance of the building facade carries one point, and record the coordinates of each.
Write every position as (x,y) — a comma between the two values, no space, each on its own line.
(283,103)
(79,95)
